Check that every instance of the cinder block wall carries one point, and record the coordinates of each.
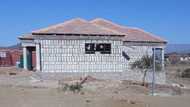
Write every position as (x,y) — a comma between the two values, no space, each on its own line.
(135,53)
(69,56)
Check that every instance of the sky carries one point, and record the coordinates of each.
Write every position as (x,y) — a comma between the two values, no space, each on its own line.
(169,19)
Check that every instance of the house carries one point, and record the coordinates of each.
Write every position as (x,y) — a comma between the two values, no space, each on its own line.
(12,56)
(185,57)
(98,45)
(175,58)
(9,57)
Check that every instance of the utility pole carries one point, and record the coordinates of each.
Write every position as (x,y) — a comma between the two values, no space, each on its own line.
(153,73)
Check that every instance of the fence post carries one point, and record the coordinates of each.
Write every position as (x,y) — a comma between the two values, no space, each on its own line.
(153,74)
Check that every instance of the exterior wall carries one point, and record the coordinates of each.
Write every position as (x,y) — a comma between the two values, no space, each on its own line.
(69,56)
(137,51)
(15,56)
(10,58)
(5,59)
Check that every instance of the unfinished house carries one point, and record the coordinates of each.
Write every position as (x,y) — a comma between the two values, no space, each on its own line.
(98,47)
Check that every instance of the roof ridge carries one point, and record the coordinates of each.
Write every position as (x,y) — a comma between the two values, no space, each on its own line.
(112,30)
(75,19)
(157,37)
(108,21)
(60,24)
(125,27)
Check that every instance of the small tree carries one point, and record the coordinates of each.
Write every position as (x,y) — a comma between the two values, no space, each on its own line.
(145,64)
(186,73)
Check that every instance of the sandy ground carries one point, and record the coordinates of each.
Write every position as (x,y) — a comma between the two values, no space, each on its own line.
(24,90)
(19,97)
(174,101)
(27,97)
(173,73)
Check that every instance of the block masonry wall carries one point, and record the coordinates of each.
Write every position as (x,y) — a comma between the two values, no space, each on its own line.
(135,53)
(137,50)
(69,56)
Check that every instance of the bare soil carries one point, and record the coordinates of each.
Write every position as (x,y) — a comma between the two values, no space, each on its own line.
(173,73)
(24,90)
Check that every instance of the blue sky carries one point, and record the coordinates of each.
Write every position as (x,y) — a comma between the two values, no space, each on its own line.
(169,19)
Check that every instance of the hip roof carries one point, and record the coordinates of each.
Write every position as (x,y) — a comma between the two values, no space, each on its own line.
(97,27)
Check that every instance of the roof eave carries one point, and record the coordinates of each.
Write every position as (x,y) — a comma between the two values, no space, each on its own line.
(77,34)
(164,42)
(25,38)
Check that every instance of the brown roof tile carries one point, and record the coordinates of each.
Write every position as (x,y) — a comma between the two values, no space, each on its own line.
(77,26)
(132,34)
(97,27)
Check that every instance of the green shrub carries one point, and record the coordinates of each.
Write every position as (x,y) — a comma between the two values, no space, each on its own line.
(66,87)
(146,62)
(186,73)
(143,63)
(75,87)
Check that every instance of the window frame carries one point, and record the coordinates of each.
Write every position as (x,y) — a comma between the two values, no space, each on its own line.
(107,47)
(90,51)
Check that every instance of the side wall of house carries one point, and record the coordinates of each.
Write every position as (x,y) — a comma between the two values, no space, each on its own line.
(69,56)
(136,51)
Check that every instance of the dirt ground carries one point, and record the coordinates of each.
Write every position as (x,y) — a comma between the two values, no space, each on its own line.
(22,97)
(173,72)
(24,90)
(35,97)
